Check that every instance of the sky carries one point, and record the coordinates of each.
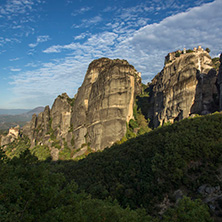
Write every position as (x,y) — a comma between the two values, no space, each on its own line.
(47,45)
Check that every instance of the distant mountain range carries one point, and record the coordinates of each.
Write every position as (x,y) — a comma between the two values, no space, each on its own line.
(13,117)
(13,111)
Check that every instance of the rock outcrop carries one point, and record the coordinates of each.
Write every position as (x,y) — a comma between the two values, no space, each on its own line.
(12,135)
(104,103)
(98,114)
(185,86)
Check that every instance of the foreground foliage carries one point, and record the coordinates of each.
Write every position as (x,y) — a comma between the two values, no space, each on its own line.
(122,183)
(30,192)
(141,171)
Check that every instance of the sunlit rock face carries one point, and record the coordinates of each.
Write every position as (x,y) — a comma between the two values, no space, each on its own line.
(104,103)
(50,123)
(12,135)
(96,117)
(185,86)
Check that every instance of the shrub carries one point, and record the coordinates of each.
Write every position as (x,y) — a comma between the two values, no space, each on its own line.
(207,50)
(188,210)
(177,54)
(189,51)
(41,152)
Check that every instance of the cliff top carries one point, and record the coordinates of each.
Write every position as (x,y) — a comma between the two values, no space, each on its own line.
(108,63)
(176,54)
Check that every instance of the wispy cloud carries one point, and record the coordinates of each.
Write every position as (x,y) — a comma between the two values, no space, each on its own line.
(41,85)
(81,11)
(144,48)
(14,59)
(149,45)
(81,36)
(15,7)
(15,70)
(88,22)
(102,40)
(40,39)
(18,15)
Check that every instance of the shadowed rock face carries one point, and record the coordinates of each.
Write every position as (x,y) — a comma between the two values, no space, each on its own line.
(98,114)
(220,82)
(185,86)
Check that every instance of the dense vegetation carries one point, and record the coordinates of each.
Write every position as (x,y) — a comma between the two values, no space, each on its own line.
(123,183)
(30,192)
(216,63)
(141,171)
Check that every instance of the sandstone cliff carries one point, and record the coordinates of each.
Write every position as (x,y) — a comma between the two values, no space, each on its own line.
(96,118)
(185,86)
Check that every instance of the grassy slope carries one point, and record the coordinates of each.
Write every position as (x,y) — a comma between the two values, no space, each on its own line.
(142,170)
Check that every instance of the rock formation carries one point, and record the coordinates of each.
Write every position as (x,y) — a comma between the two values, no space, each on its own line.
(185,86)
(97,117)
(104,103)
(12,135)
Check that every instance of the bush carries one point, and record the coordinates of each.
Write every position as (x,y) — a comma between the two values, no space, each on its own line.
(207,50)
(41,152)
(189,51)
(188,210)
(177,54)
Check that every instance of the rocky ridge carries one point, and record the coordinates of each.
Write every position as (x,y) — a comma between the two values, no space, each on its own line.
(96,117)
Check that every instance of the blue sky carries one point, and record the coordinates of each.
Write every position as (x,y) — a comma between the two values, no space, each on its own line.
(47,45)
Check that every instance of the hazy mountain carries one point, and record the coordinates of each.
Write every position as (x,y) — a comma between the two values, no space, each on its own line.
(13,111)
(13,117)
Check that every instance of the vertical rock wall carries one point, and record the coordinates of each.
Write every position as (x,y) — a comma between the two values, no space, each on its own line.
(186,85)
(97,116)
(104,103)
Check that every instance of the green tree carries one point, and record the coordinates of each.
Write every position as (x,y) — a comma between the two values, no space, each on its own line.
(208,50)
(188,210)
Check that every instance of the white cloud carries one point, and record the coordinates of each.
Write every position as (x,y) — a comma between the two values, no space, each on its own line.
(88,22)
(18,17)
(81,36)
(15,70)
(40,39)
(13,8)
(144,48)
(31,64)
(33,45)
(81,11)
(14,59)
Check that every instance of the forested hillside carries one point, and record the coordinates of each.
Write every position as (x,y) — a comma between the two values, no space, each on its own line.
(151,172)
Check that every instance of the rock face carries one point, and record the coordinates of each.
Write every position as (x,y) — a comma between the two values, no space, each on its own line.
(50,124)
(104,103)
(186,85)
(97,117)
(12,135)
